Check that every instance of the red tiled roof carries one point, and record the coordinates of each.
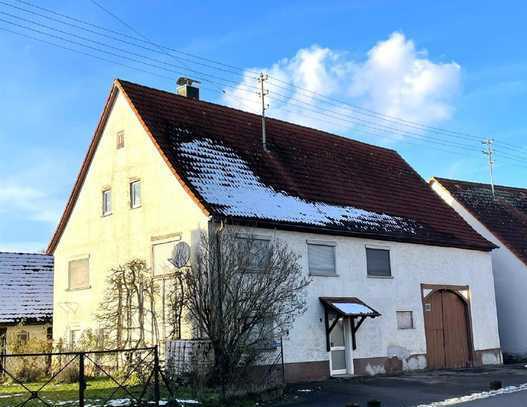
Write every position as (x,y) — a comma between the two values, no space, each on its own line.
(309,180)
(505,215)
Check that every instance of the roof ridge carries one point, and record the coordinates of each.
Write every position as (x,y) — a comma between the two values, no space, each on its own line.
(477,183)
(271,119)
(26,253)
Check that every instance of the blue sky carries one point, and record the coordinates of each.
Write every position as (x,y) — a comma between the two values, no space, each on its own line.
(461,67)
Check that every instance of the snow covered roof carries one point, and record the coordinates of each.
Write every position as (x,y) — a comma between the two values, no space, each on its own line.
(26,287)
(505,215)
(349,306)
(309,180)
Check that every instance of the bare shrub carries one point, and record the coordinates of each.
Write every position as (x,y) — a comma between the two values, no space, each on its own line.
(243,293)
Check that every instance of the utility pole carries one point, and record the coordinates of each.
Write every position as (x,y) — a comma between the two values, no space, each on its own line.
(489,152)
(263,93)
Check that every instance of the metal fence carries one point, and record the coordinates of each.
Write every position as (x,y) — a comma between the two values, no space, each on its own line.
(96,378)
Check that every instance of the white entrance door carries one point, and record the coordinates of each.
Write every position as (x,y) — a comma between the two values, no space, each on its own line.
(337,349)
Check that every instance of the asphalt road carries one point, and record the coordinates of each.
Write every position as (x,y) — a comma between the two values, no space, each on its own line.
(411,389)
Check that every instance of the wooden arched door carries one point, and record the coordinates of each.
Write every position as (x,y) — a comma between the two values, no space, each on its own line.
(447,330)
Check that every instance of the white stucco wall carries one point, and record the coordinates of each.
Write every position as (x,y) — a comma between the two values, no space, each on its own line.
(167,213)
(510,281)
(412,265)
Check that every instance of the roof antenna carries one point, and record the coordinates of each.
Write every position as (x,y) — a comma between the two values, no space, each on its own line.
(263,93)
(489,152)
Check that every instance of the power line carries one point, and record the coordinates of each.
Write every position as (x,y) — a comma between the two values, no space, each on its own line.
(399,132)
(392,120)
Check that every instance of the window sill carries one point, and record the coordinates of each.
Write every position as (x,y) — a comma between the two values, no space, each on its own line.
(136,207)
(381,277)
(105,215)
(78,289)
(323,275)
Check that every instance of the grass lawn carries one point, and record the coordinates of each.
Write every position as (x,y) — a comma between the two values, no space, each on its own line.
(98,391)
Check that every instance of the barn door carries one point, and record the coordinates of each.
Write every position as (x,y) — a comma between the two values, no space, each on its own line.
(446,330)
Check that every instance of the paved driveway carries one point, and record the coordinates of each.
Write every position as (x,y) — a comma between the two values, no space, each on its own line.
(411,389)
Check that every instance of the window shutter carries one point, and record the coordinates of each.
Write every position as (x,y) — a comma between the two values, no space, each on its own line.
(79,276)
(321,259)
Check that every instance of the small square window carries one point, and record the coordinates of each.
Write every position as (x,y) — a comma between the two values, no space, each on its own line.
(106,202)
(321,259)
(378,262)
(405,320)
(78,274)
(135,194)
(120,139)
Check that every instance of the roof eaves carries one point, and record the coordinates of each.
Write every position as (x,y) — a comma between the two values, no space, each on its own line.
(82,172)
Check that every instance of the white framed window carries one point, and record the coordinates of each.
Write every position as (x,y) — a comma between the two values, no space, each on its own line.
(378,262)
(135,194)
(405,319)
(119,139)
(256,248)
(106,202)
(321,258)
(79,274)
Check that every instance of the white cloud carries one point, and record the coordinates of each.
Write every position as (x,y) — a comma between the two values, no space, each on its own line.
(394,78)
(28,201)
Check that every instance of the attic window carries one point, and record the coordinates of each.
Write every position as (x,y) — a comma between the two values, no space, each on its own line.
(120,139)
(22,337)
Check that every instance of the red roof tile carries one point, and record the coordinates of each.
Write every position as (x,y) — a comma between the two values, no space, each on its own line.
(505,215)
(310,180)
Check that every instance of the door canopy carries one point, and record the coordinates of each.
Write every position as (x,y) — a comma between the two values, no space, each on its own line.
(346,307)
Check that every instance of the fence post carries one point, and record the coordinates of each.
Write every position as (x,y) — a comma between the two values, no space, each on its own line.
(82,380)
(156,375)
(282,355)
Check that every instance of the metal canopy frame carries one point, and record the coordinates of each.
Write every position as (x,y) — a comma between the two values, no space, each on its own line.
(356,319)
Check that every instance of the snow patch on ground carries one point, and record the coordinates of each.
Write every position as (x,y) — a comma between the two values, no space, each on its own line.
(477,396)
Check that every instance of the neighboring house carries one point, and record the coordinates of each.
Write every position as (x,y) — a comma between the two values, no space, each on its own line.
(26,298)
(501,219)
(377,241)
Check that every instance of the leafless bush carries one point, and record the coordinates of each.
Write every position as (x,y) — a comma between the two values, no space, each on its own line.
(243,292)
(127,314)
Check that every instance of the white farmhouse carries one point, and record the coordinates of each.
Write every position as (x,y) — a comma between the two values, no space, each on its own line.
(501,219)
(400,281)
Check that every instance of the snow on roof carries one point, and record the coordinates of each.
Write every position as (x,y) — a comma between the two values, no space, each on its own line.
(226,181)
(26,287)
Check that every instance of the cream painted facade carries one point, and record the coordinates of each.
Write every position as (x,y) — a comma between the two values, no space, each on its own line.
(166,214)
(36,333)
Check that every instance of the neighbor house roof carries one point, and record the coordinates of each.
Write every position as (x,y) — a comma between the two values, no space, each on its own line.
(26,287)
(309,180)
(504,215)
